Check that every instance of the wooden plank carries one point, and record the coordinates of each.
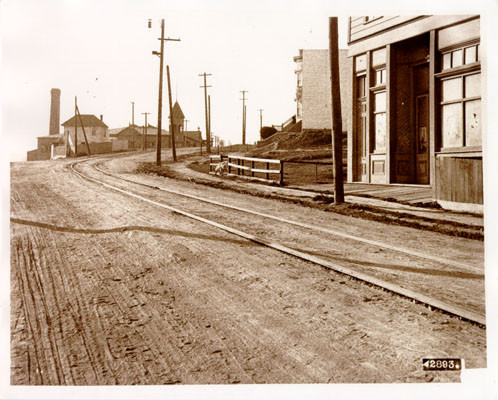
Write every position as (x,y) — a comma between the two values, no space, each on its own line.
(239,166)
(231,156)
(264,171)
(250,178)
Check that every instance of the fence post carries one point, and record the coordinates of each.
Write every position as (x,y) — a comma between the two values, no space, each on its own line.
(267,168)
(238,163)
(229,170)
(281,172)
(252,167)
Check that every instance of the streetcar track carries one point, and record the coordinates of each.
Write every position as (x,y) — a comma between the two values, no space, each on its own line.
(301,224)
(370,280)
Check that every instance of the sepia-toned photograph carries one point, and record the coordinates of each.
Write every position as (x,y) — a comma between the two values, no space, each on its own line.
(263,200)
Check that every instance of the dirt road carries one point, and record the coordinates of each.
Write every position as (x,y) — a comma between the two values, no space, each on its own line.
(106,289)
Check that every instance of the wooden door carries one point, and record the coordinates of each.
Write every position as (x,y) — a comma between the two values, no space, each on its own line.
(422,139)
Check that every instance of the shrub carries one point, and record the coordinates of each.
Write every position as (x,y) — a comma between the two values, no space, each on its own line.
(267,131)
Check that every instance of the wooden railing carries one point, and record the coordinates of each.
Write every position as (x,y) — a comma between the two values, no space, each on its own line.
(248,167)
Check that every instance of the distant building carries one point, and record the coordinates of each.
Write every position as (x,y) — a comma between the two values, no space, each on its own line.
(95,129)
(313,92)
(417,104)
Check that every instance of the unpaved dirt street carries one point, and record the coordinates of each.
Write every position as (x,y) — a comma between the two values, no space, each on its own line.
(107,289)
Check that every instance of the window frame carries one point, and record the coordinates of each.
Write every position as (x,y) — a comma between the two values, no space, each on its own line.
(462,100)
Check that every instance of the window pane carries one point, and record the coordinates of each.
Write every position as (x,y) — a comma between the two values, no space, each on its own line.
(473,85)
(361,86)
(380,132)
(473,123)
(457,58)
(380,101)
(452,89)
(452,125)
(446,60)
(380,77)
(470,55)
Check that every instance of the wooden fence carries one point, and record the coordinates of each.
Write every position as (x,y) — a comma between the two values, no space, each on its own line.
(249,167)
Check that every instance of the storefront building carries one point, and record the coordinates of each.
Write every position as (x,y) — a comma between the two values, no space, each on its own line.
(416,102)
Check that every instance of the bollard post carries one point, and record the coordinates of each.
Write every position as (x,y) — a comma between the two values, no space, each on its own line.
(281,172)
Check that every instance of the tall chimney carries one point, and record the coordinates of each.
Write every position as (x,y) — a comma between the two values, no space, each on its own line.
(55,111)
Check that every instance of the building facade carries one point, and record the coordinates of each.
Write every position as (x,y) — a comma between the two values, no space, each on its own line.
(416,102)
(313,93)
(95,129)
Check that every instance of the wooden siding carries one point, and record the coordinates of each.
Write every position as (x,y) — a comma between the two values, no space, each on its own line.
(459,180)
(360,29)
(396,30)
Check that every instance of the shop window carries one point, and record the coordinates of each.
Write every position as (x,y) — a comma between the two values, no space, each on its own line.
(461,111)
(460,56)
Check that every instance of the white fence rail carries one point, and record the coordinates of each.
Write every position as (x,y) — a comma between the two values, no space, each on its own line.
(247,167)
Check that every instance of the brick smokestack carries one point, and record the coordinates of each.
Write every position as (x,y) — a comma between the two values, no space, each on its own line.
(55,111)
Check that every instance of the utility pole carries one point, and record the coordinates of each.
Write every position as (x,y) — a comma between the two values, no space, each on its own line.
(243,115)
(260,119)
(209,119)
(75,128)
(145,131)
(160,100)
(208,134)
(171,126)
(132,113)
(336,111)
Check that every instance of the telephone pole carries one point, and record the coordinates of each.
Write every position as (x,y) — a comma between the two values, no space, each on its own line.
(208,134)
(160,99)
(171,126)
(260,119)
(145,131)
(209,119)
(243,115)
(336,111)
(132,113)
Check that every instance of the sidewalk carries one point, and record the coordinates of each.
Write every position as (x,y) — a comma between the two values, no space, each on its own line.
(381,192)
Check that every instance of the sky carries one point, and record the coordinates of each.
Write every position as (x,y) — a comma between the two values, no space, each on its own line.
(101,52)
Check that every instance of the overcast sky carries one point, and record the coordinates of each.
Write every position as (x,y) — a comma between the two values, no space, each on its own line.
(100,51)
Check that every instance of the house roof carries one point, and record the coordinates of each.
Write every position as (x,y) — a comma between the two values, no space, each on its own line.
(129,130)
(88,120)
(178,114)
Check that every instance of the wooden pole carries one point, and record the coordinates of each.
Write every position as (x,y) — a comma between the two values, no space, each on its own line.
(171,126)
(336,111)
(243,116)
(208,133)
(145,131)
(209,122)
(160,101)
(84,133)
(75,129)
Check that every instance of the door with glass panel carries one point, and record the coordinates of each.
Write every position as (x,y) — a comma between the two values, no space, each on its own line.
(421,122)
(361,129)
